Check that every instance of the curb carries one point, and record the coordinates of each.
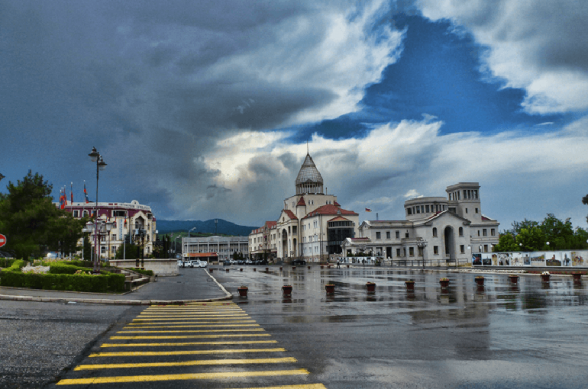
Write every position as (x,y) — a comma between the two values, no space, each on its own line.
(228,296)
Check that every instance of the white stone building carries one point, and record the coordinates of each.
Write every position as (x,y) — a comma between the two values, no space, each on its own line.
(312,225)
(127,218)
(221,247)
(449,228)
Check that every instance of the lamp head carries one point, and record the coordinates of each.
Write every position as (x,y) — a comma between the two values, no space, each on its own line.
(94,154)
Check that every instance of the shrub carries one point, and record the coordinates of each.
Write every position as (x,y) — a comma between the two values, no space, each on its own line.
(79,282)
(141,271)
(6,262)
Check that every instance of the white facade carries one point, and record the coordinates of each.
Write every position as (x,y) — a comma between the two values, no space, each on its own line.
(127,218)
(450,228)
(312,225)
(223,246)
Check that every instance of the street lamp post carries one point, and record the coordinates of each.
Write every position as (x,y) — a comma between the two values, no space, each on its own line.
(100,165)
(140,238)
(421,245)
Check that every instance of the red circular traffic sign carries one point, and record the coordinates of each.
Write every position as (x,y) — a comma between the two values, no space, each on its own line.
(2,240)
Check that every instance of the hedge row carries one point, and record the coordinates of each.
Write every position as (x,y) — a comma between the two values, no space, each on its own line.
(79,282)
(144,272)
(17,265)
(6,262)
(59,268)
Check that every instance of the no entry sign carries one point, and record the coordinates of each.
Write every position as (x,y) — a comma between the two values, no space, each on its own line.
(2,240)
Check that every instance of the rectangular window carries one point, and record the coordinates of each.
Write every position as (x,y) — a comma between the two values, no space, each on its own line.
(387,234)
(408,211)
(378,235)
(404,252)
(493,232)
(427,208)
(113,249)
(478,232)
(484,232)
(76,213)
(118,213)
(113,236)
(476,210)
(397,252)
(411,251)
(406,235)
(462,249)
(418,209)
(485,248)
(436,250)
(466,210)
(397,234)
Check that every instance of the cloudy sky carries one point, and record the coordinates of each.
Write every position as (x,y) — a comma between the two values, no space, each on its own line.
(203,109)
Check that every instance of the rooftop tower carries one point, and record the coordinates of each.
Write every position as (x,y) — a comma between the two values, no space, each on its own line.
(309,179)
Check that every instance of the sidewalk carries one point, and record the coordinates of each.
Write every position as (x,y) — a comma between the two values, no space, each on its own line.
(192,285)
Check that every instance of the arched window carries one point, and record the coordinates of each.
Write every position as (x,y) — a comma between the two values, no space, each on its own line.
(460,231)
(434,232)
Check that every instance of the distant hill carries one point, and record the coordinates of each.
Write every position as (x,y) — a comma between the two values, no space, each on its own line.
(224,227)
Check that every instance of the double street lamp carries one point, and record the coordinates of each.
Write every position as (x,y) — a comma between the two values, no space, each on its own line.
(421,244)
(100,165)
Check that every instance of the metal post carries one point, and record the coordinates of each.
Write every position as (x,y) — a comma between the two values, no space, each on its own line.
(96,259)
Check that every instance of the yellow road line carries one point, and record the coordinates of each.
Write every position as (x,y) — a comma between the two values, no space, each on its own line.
(193,326)
(191,331)
(185,352)
(185,343)
(195,320)
(168,316)
(190,322)
(179,377)
(186,336)
(303,386)
(193,310)
(206,362)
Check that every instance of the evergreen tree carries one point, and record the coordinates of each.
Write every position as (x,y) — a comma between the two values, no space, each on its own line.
(32,223)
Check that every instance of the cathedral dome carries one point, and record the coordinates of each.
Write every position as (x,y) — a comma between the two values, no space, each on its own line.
(309,179)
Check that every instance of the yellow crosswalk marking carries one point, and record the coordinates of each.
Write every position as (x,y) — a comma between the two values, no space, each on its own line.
(303,386)
(190,331)
(185,352)
(178,377)
(196,326)
(186,336)
(186,343)
(192,322)
(189,315)
(206,362)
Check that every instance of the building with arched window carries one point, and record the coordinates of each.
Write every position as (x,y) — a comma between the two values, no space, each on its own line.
(452,228)
(312,225)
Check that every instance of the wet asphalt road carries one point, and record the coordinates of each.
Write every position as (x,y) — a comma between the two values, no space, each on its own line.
(502,336)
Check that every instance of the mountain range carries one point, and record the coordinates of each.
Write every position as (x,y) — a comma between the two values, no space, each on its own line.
(207,226)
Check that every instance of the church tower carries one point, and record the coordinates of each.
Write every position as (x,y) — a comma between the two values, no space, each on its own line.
(309,180)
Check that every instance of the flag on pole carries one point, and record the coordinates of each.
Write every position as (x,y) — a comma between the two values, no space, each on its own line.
(65,195)
(71,193)
(61,199)
(86,193)
(368,210)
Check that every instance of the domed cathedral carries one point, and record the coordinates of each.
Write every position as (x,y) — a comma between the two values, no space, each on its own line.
(312,225)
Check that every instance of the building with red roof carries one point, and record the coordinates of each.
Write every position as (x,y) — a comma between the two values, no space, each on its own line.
(312,225)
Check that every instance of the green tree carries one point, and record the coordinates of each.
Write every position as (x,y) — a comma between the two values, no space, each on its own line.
(560,235)
(531,239)
(87,247)
(506,242)
(131,251)
(32,223)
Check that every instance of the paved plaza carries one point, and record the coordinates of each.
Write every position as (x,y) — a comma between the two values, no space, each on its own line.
(529,335)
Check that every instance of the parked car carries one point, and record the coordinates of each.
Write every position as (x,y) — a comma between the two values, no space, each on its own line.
(226,262)
(298,262)
(202,264)
(249,262)
(240,262)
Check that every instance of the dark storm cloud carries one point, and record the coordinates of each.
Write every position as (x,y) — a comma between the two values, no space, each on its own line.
(156,85)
